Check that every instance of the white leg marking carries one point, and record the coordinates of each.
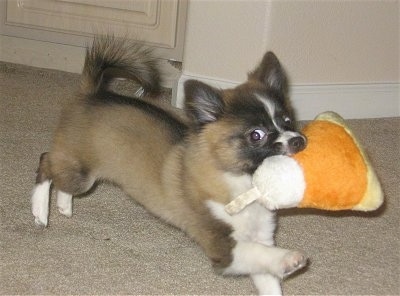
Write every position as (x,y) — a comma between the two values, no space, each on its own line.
(255,258)
(254,253)
(64,203)
(267,284)
(40,202)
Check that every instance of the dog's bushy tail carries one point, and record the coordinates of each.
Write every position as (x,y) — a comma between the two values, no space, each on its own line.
(110,57)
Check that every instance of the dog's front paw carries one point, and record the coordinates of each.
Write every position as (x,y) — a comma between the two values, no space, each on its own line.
(292,262)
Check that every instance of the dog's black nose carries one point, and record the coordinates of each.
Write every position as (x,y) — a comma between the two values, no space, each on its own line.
(297,144)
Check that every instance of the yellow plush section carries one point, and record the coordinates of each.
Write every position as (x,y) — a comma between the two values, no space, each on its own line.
(334,168)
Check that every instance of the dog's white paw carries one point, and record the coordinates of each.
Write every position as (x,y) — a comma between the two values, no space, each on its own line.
(64,203)
(292,262)
(40,203)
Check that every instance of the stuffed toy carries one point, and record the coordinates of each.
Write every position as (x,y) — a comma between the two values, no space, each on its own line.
(332,173)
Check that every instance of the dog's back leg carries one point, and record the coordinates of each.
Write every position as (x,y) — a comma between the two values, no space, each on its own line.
(68,177)
(64,203)
(41,192)
(40,202)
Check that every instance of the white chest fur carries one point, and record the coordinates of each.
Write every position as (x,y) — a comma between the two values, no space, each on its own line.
(255,223)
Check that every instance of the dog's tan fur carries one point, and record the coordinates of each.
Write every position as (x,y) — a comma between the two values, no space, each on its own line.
(171,164)
(126,146)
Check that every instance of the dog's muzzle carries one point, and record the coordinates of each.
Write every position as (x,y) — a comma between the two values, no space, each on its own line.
(289,143)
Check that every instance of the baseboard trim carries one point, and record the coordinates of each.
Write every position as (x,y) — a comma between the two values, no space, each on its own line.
(367,100)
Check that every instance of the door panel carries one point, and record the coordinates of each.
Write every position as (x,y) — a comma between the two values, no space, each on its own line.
(159,23)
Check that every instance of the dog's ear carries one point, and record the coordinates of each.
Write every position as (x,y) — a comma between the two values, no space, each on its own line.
(271,73)
(203,102)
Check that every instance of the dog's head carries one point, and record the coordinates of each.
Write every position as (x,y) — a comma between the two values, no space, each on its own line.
(244,125)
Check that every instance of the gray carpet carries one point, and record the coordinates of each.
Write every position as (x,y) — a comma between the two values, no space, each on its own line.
(112,246)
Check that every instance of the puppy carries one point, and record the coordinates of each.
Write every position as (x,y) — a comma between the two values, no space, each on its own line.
(181,169)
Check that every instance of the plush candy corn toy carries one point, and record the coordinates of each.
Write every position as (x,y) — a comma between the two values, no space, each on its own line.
(332,173)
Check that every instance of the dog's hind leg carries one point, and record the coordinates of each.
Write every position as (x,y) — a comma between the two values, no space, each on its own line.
(69,179)
(64,203)
(41,192)
(40,202)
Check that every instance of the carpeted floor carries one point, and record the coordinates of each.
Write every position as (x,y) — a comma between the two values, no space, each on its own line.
(112,246)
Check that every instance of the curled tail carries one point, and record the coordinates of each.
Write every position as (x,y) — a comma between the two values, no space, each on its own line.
(110,57)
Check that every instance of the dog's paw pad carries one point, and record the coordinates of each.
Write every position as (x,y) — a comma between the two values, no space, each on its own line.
(292,262)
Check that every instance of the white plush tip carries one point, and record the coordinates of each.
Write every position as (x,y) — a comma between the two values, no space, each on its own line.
(278,183)
(281,183)
(242,201)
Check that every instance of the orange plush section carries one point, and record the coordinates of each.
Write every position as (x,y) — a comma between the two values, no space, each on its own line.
(334,170)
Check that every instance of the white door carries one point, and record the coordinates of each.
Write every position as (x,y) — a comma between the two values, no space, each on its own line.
(159,23)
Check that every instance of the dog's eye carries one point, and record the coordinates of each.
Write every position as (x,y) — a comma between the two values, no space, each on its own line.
(287,119)
(257,135)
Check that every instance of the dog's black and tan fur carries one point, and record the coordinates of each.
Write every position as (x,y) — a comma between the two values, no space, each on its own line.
(180,168)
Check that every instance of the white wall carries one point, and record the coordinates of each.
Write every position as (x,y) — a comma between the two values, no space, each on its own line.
(341,55)
(224,38)
(337,41)
(337,53)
